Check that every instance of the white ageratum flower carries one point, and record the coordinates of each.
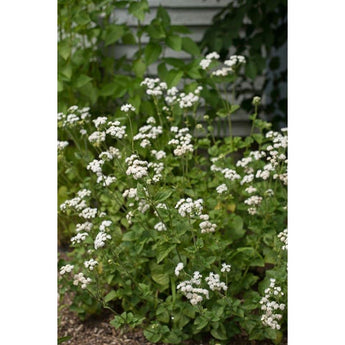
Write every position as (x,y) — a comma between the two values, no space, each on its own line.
(188,207)
(80,279)
(182,141)
(178,268)
(160,226)
(136,167)
(222,188)
(67,268)
(100,239)
(61,145)
(127,107)
(225,267)
(90,264)
(213,281)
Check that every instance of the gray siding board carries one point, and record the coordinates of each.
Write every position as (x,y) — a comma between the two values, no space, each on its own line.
(178,16)
(190,3)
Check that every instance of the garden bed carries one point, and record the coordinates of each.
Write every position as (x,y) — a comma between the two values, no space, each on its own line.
(98,331)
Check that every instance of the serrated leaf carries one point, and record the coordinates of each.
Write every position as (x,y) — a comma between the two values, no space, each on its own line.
(161,278)
(138,9)
(113,34)
(110,296)
(220,332)
(64,50)
(189,46)
(82,80)
(162,195)
(174,77)
(163,252)
(139,68)
(152,52)
(174,42)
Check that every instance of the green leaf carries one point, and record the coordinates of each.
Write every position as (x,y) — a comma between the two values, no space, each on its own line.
(60,85)
(174,42)
(156,30)
(161,278)
(219,332)
(82,80)
(163,15)
(173,78)
(64,49)
(251,70)
(110,296)
(189,46)
(139,68)
(138,9)
(200,323)
(67,71)
(164,251)
(162,71)
(162,195)
(113,33)
(152,52)
(82,18)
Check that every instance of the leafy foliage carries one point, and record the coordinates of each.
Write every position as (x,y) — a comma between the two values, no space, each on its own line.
(257,29)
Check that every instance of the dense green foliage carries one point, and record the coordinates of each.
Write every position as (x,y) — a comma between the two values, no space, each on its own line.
(174,229)
(257,29)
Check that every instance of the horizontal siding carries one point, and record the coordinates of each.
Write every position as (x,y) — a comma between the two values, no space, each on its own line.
(178,16)
(197,16)
(189,3)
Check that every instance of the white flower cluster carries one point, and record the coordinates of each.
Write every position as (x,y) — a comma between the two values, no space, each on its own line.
(206,226)
(182,141)
(214,283)
(78,203)
(81,236)
(136,167)
(97,137)
(160,226)
(101,120)
(116,130)
(194,294)
(222,188)
(250,189)
(79,278)
(148,132)
(96,167)
(189,99)
(154,86)
(271,307)
(143,206)
(179,268)
(74,116)
(100,239)
(205,63)
(254,200)
(230,174)
(225,267)
(283,236)
(247,179)
(127,107)
(87,226)
(171,95)
(131,193)
(235,60)
(67,268)
(88,213)
(61,145)
(90,264)
(158,154)
(190,208)
(157,168)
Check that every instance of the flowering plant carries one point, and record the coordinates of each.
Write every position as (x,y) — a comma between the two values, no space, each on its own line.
(176,230)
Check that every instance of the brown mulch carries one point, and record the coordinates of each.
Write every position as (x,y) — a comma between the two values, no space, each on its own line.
(94,331)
